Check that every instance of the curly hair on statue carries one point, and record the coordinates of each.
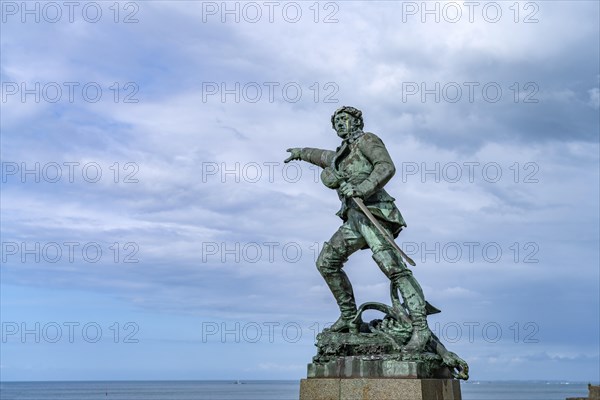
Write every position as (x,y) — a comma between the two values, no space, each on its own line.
(355,112)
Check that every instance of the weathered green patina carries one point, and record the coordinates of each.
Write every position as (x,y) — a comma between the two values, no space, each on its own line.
(360,168)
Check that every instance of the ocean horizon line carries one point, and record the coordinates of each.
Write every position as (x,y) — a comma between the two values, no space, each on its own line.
(471,381)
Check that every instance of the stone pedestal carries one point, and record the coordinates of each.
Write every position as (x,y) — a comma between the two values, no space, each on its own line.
(379,389)
(378,378)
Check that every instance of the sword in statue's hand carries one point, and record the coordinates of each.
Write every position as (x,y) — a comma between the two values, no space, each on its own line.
(359,202)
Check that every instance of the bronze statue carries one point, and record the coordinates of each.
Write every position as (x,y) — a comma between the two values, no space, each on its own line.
(358,170)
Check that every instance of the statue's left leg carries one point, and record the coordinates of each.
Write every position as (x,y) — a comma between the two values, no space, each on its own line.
(395,269)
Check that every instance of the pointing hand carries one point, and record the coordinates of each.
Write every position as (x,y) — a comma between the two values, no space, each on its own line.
(295,154)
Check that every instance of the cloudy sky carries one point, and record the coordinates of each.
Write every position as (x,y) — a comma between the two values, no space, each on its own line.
(151,231)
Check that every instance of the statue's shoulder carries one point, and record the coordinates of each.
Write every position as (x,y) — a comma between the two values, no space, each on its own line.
(369,136)
(369,139)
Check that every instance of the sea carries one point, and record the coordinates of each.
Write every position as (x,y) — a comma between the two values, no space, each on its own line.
(258,390)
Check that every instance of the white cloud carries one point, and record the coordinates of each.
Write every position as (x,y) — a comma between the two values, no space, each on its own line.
(594,97)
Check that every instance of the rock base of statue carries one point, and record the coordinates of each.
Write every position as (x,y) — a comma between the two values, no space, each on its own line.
(379,389)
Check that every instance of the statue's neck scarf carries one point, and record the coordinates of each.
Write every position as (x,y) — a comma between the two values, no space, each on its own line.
(352,137)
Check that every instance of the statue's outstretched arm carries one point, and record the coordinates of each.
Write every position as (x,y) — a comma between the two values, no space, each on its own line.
(319,157)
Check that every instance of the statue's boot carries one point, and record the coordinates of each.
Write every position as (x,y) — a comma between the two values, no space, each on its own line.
(329,264)
(395,269)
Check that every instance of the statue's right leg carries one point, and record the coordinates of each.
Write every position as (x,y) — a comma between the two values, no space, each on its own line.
(395,269)
(329,263)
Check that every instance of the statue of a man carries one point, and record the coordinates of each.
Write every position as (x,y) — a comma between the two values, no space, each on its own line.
(360,167)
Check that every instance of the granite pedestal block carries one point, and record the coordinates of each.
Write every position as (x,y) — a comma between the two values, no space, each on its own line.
(378,378)
(379,389)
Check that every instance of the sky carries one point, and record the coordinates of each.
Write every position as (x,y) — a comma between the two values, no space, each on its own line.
(150,229)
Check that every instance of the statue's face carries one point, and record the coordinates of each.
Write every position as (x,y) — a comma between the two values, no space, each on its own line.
(344,124)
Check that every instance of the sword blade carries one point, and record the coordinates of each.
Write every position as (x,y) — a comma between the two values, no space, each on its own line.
(359,202)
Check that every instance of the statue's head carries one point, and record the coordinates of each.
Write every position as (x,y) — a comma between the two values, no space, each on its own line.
(346,120)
